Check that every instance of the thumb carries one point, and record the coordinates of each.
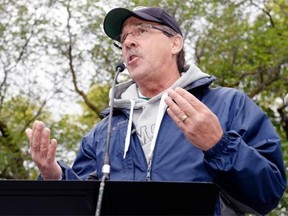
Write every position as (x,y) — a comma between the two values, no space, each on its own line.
(28,132)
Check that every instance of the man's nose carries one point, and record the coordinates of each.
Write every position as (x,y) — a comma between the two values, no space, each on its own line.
(129,41)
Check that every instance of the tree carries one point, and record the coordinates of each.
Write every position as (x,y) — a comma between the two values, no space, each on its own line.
(43,57)
(16,114)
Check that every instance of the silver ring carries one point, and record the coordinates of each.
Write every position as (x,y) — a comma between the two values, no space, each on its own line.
(183,118)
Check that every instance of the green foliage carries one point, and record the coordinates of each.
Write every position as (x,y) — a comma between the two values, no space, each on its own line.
(15,116)
(100,96)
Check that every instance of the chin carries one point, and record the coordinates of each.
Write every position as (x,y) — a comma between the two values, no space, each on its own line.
(137,74)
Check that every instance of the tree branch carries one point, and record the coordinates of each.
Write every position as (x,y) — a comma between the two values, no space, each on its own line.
(73,72)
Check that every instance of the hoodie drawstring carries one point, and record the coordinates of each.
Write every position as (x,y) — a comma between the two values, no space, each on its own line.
(128,135)
(161,111)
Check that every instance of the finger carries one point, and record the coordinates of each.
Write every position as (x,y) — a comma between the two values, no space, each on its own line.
(51,154)
(44,144)
(178,105)
(190,98)
(182,102)
(37,131)
(174,109)
(33,144)
(178,116)
(28,132)
(174,117)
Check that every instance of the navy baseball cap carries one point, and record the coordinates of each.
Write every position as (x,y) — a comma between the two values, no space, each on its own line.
(116,17)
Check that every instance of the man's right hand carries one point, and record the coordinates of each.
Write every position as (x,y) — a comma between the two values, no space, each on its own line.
(43,151)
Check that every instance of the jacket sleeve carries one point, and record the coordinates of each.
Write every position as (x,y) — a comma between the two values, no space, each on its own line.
(84,166)
(247,162)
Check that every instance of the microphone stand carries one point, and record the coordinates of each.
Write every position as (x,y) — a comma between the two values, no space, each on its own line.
(106,164)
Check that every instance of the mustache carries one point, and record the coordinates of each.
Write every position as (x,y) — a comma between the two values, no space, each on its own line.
(131,53)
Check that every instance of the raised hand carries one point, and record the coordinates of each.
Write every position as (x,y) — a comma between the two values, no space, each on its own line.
(43,151)
(199,124)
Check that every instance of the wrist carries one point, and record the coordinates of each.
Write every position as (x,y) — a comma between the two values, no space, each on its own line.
(53,174)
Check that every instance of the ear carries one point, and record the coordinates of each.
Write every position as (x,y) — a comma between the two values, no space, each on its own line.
(177,43)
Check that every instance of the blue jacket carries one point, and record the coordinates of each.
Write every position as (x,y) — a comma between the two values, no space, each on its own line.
(246,163)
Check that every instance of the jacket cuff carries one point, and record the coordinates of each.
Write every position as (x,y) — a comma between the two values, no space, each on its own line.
(229,138)
(63,167)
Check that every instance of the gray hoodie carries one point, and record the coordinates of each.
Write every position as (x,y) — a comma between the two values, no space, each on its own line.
(147,114)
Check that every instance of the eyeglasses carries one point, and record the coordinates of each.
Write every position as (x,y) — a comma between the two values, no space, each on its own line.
(141,31)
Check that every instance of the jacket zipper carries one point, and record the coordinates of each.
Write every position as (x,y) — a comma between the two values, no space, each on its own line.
(148,173)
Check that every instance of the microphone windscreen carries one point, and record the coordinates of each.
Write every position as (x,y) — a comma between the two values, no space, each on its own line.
(120,67)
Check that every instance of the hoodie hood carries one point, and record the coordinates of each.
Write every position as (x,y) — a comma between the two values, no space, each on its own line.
(128,90)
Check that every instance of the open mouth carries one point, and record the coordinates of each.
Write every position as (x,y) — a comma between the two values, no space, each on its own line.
(131,58)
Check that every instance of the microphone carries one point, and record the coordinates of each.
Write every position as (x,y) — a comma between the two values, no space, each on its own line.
(106,166)
(286,100)
(106,162)
(120,67)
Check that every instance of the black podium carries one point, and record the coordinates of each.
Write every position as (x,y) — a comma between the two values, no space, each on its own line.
(25,197)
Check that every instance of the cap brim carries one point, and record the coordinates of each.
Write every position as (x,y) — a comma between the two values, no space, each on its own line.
(116,17)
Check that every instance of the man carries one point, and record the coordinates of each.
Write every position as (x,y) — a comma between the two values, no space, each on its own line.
(170,125)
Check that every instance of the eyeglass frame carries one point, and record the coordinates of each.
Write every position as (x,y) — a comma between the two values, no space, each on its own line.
(163,28)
